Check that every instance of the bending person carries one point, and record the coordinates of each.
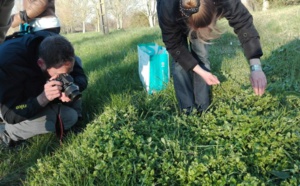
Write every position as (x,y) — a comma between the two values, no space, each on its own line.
(195,20)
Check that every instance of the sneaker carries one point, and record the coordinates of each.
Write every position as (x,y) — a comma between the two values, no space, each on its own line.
(5,140)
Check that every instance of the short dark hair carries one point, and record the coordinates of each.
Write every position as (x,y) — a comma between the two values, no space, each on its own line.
(56,51)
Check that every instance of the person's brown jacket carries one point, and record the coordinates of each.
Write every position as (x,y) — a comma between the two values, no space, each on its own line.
(175,30)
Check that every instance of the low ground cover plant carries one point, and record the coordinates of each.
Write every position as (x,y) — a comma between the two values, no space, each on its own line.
(131,138)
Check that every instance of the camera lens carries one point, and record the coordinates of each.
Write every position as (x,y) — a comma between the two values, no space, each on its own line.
(73,92)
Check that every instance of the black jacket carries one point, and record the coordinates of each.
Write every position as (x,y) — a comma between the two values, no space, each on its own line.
(21,79)
(175,31)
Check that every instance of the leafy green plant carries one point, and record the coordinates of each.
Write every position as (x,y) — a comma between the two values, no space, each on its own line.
(131,138)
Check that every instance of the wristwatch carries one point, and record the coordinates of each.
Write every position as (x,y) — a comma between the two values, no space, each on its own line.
(255,68)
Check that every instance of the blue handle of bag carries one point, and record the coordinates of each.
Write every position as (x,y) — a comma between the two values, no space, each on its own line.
(148,49)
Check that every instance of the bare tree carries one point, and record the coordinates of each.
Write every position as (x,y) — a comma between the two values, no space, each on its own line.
(118,9)
(66,12)
(82,9)
(265,5)
(148,8)
(100,14)
(115,7)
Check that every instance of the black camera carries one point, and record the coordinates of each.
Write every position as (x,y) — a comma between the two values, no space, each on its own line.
(68,87)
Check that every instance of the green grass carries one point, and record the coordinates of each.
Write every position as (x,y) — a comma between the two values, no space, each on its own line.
(131,138)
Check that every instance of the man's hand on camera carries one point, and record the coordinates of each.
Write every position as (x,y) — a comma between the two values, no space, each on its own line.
(52,90)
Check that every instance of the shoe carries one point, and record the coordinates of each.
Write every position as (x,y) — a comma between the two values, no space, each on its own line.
(5,140)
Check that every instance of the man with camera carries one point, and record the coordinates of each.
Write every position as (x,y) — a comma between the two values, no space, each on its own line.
(41,82)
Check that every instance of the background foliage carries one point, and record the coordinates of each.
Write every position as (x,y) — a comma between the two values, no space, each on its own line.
(85,15)
(276,3)
(131,138)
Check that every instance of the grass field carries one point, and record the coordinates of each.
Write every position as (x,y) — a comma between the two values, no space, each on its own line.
(131,138)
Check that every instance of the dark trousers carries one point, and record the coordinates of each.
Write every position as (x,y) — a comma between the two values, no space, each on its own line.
(190,88)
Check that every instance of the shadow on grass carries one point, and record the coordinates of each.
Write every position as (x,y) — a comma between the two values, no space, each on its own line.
(223,48)
(283,68)
(283,73)
(121,73)
(15,161)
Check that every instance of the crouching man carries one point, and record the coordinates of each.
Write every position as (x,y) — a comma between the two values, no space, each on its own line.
(41,82)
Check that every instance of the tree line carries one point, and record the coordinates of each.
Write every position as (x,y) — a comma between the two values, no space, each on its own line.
(102,15)
(105,15)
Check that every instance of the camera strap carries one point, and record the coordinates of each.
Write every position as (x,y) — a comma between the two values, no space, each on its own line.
(59,126)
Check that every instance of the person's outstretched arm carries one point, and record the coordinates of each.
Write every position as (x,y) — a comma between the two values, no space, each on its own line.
(242,21)
(31,11)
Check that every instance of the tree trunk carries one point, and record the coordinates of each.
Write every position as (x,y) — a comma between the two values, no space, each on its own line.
(265,5)
(83,26)
(102,17)
(98,24)
(150,19)
(119,22)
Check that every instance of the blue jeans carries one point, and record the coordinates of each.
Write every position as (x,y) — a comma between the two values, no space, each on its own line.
(190,88)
